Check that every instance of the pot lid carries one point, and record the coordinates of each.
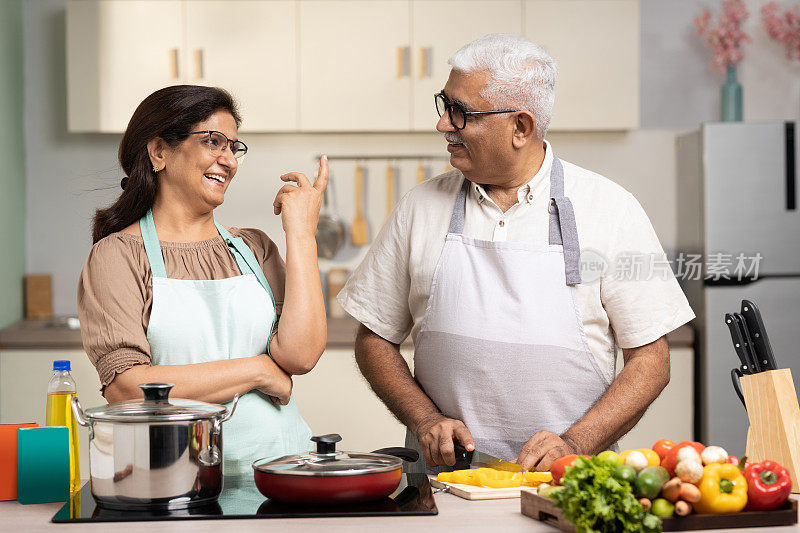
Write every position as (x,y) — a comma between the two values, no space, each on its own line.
(156,407)
(327,462)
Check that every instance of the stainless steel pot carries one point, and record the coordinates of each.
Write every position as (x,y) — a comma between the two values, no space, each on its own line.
(156,452)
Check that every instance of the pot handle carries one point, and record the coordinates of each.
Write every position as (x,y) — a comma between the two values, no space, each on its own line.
(233,408)
(77,410)
(406,454)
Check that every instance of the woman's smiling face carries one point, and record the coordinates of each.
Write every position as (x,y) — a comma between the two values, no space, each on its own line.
(193,173)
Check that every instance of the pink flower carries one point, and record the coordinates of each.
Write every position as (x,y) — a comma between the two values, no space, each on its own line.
(783,27)
(725,38)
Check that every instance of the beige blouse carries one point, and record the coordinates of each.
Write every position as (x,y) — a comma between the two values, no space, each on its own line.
(115,291)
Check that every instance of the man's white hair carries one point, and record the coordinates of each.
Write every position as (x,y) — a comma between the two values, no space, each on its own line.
(521,74)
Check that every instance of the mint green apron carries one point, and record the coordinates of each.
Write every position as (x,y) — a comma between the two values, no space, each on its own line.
(196,321)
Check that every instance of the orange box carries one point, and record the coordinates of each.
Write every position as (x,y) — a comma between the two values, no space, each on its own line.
(8,459)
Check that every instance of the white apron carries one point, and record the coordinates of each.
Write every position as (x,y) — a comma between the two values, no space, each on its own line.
(502,346)
(196,321)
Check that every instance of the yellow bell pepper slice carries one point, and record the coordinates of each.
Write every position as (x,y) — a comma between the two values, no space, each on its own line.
(534,479)
(497,479)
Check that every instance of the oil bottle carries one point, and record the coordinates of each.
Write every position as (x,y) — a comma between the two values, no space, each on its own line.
(60,391)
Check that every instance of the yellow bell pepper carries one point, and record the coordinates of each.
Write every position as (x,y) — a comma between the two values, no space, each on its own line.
(498,479)
(534,479)
(723,489)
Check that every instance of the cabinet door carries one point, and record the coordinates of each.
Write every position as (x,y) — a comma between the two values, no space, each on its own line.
(257,62)
(440,28)
(118,52)
(354,65)
(598,74)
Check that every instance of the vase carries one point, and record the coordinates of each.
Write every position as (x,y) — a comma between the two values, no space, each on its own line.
(731,98)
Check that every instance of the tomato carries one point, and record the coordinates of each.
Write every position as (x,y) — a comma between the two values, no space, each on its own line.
(662,446)
(559,466)
(671,459)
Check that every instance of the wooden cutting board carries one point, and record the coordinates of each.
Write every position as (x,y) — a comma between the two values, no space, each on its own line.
(471,492)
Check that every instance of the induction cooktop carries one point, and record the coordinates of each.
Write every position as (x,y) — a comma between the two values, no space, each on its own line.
(240,499)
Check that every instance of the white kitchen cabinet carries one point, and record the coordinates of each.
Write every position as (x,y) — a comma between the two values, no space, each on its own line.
(355,65)
(257,62)
(118,52)
(596,46)
(440,28)
(24,375)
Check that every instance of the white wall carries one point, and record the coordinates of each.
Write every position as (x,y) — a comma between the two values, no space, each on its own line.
(70,175)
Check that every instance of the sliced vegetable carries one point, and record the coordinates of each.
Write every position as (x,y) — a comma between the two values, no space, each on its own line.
(534,479)
(768,485)
(723,489)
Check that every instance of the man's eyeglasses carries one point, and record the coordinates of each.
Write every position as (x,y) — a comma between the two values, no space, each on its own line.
(458,115)
(217,141)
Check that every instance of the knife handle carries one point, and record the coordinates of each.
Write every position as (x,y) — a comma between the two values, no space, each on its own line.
(737,387)
(758,334)
(463,457)
(738,342)
(749,348)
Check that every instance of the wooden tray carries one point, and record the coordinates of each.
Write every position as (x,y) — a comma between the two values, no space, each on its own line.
(544,510)
(471,492)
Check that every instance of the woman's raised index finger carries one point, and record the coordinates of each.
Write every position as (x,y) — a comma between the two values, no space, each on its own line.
(322,175)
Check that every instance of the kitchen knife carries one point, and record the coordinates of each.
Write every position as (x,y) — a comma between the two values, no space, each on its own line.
(475,459)
(738,343)
(752,358)
(758,336)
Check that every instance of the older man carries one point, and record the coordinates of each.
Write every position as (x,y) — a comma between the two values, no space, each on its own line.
(514,351)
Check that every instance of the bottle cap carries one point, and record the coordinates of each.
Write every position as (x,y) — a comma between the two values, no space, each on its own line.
(61,365)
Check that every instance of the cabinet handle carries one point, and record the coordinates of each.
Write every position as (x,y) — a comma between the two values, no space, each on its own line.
(173,63)
(403,60)
(425,62)
(198,63)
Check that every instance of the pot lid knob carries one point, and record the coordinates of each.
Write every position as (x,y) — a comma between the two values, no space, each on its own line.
(156,392)
(326,443)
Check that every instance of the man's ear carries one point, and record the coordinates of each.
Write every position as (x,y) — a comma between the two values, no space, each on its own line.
(157,150)
(524,129)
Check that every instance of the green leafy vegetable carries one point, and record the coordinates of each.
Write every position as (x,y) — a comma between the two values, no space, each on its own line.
(595,501)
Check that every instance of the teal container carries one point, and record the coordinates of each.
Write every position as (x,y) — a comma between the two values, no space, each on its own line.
(731,98)
(43,465)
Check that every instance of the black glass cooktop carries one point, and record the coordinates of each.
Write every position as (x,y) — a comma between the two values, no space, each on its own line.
(240,499)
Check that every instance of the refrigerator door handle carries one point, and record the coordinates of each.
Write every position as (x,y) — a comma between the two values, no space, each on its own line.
(791,168)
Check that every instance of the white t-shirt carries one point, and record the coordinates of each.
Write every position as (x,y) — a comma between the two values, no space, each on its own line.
(636,298)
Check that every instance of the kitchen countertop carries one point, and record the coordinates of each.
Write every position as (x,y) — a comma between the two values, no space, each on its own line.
(455,514)
(55,334)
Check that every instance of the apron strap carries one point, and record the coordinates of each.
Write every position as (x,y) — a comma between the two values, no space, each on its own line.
(459,210)
(563,229)
(244,258)
(151,246)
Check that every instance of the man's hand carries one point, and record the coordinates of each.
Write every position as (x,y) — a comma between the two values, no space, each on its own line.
(541,450)
(436,435)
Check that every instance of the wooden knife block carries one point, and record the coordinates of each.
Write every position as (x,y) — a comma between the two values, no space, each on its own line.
(774,414)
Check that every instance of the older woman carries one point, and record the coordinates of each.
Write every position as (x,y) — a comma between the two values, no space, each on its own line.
(168,294)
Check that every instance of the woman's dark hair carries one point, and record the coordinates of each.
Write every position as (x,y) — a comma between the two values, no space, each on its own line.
(168,113)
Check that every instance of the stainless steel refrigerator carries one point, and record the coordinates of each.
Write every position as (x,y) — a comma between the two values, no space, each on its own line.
(737,197)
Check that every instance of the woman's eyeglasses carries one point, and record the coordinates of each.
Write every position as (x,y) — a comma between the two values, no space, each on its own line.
(217,141)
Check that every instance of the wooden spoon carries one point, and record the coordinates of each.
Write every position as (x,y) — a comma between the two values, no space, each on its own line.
(390,189)
(359,231)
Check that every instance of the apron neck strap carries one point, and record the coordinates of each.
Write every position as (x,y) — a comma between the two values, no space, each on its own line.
(563,229)
(244,258)
(151,246)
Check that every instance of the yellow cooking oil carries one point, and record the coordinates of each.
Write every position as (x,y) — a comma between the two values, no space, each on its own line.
(60,392)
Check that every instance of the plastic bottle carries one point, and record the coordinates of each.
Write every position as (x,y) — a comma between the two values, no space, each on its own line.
(60,391)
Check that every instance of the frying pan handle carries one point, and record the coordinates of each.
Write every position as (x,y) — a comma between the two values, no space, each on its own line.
(406,454)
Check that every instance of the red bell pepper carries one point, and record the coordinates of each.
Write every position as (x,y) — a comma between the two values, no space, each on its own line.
(732,459)
(768,485)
